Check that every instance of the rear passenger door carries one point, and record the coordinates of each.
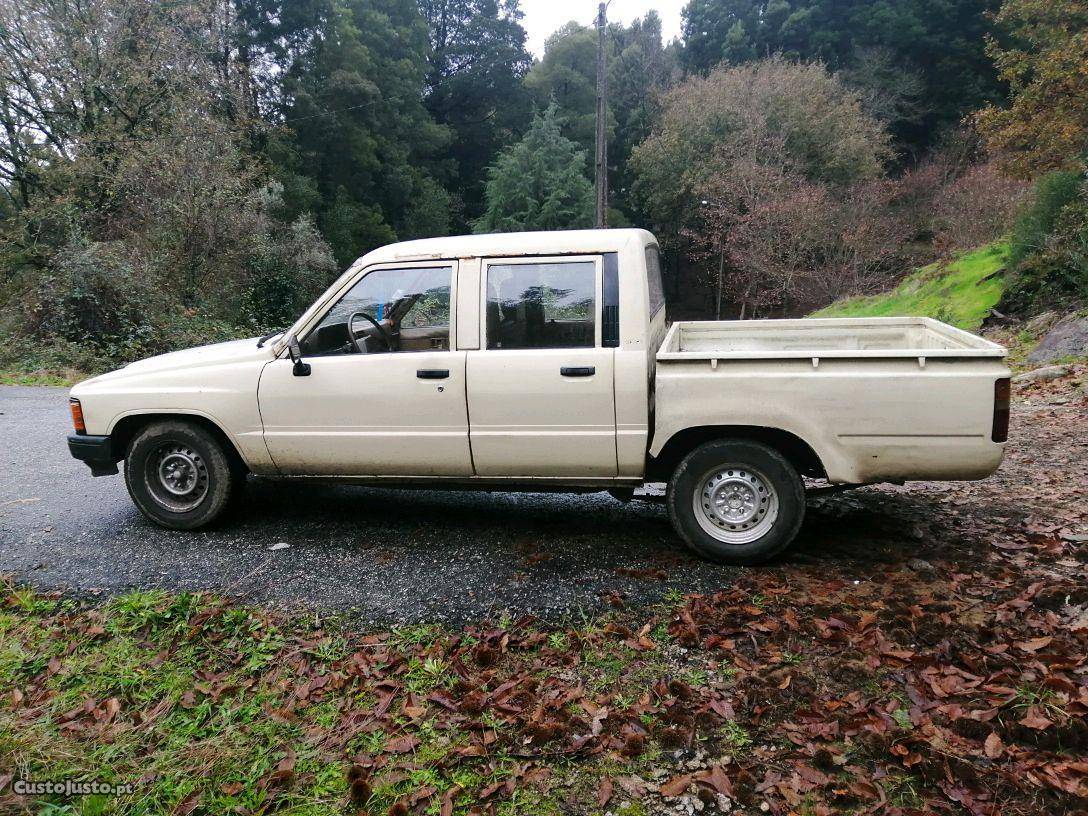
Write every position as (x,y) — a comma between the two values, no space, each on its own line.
(540,387)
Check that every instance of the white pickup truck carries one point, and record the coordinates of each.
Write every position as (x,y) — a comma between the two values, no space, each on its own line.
(539,361)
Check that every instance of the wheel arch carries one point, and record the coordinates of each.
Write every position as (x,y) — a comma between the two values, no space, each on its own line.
(126,429)
(797,451)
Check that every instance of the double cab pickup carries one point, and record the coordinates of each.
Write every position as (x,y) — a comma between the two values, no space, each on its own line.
(543,361)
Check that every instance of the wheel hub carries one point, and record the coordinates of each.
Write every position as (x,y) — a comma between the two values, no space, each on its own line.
(178,473)
(735,504)
(733,500)
(177,477)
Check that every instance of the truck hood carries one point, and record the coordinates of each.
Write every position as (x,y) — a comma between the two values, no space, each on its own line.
(233,351)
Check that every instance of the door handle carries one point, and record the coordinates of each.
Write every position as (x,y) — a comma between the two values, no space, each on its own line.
(433,373)
(578,371)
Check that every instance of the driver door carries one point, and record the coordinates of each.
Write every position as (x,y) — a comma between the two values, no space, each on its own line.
(385,395)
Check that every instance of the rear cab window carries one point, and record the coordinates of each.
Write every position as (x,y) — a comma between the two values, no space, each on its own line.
(653,279)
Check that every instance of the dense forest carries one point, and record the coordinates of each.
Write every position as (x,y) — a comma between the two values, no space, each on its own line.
(175,173)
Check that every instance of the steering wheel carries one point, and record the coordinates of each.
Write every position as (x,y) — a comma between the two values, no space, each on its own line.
(381,332)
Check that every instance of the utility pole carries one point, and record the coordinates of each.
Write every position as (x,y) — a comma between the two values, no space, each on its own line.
(602,111)
(721,274)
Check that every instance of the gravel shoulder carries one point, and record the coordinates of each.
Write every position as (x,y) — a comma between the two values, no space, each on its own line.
(408,556)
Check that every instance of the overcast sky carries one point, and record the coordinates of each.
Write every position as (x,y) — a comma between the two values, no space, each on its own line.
(542,17)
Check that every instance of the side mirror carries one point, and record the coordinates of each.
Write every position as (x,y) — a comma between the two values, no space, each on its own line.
(301,369)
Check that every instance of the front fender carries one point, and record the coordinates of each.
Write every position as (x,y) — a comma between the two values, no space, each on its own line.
(224,395)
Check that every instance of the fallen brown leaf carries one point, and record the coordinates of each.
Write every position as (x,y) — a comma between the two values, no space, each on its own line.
(675,786)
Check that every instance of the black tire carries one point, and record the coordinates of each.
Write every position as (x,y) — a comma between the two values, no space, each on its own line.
(188,452)
(751,460)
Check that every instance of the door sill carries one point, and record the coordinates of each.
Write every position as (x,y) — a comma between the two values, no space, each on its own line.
(539,484)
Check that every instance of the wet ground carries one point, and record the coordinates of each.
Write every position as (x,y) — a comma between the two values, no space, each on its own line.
(402,556)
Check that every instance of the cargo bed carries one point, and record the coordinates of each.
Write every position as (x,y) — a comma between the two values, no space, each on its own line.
(875,337)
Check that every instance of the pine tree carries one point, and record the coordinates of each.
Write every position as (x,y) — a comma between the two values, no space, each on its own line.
(539,183)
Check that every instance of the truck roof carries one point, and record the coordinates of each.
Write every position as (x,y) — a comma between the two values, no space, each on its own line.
(506,244)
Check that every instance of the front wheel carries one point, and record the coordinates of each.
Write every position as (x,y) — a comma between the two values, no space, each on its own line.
(736,502)
(179,475)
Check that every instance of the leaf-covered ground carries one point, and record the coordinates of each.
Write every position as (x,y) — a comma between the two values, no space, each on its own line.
(948,675)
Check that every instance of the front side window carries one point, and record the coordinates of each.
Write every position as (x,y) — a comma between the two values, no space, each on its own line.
(542,305)
(388,310)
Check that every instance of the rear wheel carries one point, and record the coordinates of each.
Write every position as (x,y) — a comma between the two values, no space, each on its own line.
(179,475)
(736,502)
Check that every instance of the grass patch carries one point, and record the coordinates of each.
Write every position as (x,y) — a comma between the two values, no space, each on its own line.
(736,736)
(62,378)
(961,292)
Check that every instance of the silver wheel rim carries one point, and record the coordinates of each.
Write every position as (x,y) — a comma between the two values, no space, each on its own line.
(735,504)
(176,477)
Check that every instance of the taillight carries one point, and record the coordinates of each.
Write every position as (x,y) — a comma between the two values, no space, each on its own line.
(1002,388)
(77,416)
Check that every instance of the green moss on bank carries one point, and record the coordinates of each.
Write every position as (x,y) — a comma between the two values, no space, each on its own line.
(961,292)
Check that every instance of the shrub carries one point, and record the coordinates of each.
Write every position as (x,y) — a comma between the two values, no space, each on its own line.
(286,272)
(1053,241)
(97,294)
(758,166)
(797,243)
(100,306)
(181,266)
(1036,223)
(976,208)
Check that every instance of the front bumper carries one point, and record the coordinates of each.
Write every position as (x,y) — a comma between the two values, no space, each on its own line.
(96,451)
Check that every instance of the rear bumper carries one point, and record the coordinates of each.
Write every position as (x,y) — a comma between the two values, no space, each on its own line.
(96,451)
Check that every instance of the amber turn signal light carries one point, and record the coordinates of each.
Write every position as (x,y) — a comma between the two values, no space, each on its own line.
(77,416)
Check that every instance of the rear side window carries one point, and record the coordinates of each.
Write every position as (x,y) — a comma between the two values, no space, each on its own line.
(542,305)
(653,279)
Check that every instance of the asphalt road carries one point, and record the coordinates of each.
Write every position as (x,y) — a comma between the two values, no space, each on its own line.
(379,555)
